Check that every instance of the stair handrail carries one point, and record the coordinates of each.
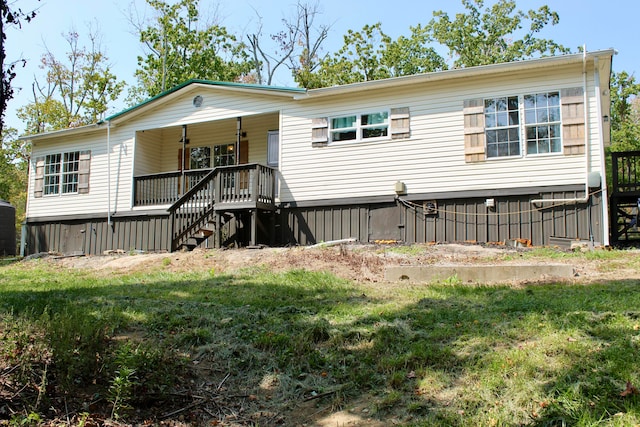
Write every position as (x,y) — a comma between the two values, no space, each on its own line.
(188,196)
(185,198)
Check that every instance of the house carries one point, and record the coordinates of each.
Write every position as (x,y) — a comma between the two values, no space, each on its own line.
(485,154)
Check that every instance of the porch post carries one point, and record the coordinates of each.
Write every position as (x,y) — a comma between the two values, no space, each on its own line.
(238,134)
(184,149)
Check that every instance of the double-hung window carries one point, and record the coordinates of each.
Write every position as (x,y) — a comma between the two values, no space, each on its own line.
(61,173)
(70,167)
(200,158)
(52,168)
(505,129)
(502,126)
(542,123)
(359,127)
(224,155)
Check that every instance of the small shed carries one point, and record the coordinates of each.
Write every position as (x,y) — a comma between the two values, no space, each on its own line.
(7,229)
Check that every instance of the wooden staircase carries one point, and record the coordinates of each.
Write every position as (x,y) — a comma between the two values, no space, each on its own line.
(221,194)
(625,198)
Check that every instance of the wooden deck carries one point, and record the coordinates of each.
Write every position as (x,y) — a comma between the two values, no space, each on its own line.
(625,198)
(200,199)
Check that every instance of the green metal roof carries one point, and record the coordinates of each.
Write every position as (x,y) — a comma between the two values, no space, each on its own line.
(210,83)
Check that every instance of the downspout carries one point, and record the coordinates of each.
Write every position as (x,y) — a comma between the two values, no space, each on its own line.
(603,173)
(587,158)
(109,223)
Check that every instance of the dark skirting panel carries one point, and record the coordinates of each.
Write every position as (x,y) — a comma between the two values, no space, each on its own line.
(486,219)
(93,236)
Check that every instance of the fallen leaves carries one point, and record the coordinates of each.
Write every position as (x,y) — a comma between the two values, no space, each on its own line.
(630,390)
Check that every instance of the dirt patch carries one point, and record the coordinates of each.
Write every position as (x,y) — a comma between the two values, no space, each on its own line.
(361,263)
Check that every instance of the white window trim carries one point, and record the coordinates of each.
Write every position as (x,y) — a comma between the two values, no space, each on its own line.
(525,124)
(522,129)
(61,175)
(358,127)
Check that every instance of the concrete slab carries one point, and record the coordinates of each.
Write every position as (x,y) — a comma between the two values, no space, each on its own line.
(478,273)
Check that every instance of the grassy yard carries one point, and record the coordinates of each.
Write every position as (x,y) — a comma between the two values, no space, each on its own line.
(261,348)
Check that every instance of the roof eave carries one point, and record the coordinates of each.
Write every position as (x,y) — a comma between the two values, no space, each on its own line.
(230,86)
(456,73)
(68,131)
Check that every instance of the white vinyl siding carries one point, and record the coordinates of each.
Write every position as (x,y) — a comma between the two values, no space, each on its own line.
(86,187)
(433,158)
(428,151)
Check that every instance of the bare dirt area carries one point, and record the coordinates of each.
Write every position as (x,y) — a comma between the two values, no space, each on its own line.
(365,263)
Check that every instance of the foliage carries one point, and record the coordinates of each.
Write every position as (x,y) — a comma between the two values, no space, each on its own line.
(370,54)
(76,90)
(625,112)
(480,37)
(14,160)
(10,17)
(444,354)
(179,50)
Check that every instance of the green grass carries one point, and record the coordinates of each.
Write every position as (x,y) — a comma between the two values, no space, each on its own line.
(259,342)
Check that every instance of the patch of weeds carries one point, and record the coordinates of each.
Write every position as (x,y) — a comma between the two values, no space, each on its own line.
(121,391)
(409,250)
(166,261)
(317,332)
(452,281)
(390,400)
(195,337)
(146,368)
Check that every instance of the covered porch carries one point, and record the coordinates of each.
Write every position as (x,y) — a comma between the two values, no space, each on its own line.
(169,161)
(207,173)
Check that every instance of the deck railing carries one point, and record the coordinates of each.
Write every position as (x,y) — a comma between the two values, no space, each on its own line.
(164,188)
(242,184)
(626,171)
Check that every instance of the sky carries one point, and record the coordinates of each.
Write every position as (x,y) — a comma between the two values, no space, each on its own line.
(595,24)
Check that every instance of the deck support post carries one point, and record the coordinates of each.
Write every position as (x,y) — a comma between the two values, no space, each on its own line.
(254,226)
(218,233)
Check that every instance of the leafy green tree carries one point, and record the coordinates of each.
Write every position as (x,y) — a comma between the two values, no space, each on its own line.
(14,160)
(370,54)
(625,112)
(489,36)
(178,50)
(9,17)
(76,91)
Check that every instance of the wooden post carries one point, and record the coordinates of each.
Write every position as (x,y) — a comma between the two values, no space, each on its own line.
(218,233)
(254,226)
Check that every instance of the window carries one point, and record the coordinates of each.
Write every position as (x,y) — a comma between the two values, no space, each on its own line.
(542,123)
(52,167)
(273,148)
(502,126)
(224,155)
(61,173)
(70,172)
(359,127)
(200,158)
